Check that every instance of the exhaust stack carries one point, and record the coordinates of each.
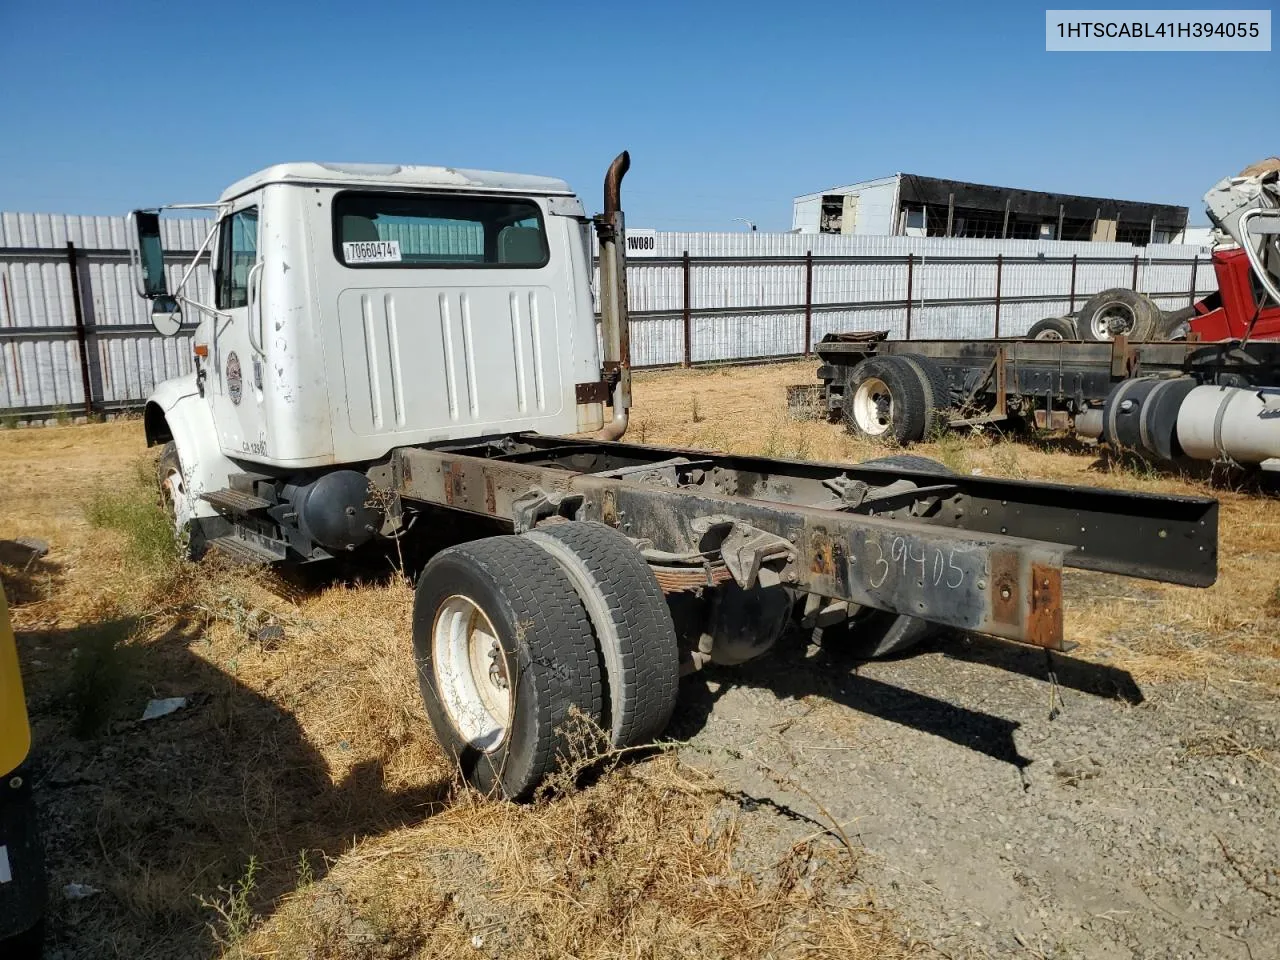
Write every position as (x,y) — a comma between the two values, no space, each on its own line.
(614,323)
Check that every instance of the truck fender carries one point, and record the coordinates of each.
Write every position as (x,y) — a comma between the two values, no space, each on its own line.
(176,412)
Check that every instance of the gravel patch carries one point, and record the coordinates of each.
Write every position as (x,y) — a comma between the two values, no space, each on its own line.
(1003,815)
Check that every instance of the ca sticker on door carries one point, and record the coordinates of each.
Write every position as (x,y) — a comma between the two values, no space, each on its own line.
(371,251)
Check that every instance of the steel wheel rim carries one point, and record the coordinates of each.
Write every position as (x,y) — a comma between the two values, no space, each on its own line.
(1049,335)
(472,676)
(173,490)
(873,407)
(1102,319)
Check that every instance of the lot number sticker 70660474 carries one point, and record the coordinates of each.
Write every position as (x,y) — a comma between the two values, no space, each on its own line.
(371,251)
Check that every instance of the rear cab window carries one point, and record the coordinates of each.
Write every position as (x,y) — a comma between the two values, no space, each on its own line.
(410,230)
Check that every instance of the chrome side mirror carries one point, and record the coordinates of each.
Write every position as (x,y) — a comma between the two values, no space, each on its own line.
(166,316)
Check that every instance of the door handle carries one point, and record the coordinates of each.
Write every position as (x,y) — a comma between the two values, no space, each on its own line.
(254,318)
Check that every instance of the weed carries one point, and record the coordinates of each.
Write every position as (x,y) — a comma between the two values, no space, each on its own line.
(772,446)
(1272,607)
(133,510)
(233,911)
(304,876)
(61,415)
(694,414)
(801,449)
(949,448)
(9,421)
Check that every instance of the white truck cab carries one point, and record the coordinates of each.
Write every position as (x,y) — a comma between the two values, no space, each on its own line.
(359,307)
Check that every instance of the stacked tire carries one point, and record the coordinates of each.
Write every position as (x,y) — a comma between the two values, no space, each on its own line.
(896,398)
(1119,311)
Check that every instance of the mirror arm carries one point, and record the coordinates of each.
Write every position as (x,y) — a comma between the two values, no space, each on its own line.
(195,262)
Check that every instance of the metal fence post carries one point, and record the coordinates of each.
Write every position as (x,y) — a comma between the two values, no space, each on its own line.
(81,334)
(808,301)
(911,266)
(1134,285)
(999,273)
(1072,308)
(1191,294)
(688,323)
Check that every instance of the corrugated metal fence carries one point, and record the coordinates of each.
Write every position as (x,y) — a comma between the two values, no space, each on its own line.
(76,338)
(718,297)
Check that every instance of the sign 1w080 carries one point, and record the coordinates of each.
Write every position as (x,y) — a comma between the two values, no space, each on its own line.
(642,243)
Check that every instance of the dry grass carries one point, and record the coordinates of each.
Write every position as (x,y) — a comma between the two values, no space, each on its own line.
(311,759)
(299,807)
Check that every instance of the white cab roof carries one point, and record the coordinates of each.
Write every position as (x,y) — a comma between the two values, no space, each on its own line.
(396,176)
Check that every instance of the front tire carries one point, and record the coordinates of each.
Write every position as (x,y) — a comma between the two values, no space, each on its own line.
(505,656)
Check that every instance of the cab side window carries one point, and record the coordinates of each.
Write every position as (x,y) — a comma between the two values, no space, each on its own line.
(237,253)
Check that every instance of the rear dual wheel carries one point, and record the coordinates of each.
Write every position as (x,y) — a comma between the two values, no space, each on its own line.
(513,635)
(896,398)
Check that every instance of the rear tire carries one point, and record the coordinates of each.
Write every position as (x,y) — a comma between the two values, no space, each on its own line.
(1053,328)
(634,631)
(937,394)
(870,633)
(505,654)
(909,461)
(886,401)
(1136,315)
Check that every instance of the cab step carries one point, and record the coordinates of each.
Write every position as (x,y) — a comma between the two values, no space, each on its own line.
(235,501)
(243,552)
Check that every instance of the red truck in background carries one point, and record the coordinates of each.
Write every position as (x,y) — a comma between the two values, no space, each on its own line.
(1245,209)
(1226,314)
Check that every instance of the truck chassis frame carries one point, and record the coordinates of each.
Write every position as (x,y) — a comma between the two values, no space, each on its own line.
(970,552)
(990,379)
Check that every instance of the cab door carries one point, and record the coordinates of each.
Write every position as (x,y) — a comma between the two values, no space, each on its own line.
(237,354)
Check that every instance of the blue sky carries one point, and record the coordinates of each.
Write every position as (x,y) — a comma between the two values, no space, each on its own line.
(729,110)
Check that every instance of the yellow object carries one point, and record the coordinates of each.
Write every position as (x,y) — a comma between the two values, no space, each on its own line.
(15,732)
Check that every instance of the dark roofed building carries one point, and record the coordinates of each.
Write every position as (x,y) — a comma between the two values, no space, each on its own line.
(908,204)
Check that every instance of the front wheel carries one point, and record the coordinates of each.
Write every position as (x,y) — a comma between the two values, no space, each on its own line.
(505,658)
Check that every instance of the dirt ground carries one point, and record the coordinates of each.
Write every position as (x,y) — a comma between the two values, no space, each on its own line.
(973,799)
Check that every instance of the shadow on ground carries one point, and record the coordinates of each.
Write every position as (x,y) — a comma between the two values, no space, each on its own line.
(789,672)
(156,815)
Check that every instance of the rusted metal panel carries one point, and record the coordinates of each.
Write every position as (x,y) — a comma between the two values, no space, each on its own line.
(1044,617)
(596,392)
